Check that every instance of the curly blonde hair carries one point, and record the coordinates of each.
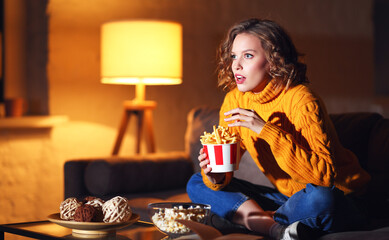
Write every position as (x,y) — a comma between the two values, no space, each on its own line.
(279,50)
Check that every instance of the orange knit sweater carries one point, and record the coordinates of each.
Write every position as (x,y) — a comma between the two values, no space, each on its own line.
(297,145)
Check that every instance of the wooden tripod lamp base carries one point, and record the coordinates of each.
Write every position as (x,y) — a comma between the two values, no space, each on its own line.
(143,110)
(126,50)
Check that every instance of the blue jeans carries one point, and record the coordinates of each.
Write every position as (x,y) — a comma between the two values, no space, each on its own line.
(321,208)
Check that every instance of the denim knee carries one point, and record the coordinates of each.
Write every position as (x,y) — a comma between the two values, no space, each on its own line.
(336,211)
(324,208)
(323,199)
(223,203)
(194,186)
(315,206)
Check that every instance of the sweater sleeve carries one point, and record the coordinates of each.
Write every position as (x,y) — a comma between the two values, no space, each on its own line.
(230,102)
(217,186)
(306,156)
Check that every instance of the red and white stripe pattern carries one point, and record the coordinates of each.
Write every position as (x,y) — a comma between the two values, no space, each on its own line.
(223,157)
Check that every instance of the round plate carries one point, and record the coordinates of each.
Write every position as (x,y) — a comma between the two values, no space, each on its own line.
(94,228)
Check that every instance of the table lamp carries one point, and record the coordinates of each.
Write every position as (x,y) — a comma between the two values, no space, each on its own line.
(140,53)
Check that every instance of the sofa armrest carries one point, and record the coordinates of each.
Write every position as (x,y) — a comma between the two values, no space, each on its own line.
(74,184)
(367,135)
(127,175)
(378,152)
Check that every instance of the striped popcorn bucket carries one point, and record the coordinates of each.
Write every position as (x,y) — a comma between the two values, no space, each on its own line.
(223,157)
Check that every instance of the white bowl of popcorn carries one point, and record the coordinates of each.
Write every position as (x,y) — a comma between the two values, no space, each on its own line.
(165,214)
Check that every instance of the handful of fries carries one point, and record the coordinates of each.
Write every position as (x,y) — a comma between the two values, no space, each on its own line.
(220,135)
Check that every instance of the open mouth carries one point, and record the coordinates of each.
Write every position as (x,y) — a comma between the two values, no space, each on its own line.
(239,79)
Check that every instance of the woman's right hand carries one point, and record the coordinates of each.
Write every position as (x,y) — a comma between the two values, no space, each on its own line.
(204,162)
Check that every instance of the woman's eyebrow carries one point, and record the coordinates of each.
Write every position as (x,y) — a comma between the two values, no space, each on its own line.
(246,50)
(250,50)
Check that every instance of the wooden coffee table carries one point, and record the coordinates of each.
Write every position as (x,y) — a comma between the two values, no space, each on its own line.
(47,230)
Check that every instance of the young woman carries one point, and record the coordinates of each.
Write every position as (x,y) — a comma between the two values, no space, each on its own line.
(287,131)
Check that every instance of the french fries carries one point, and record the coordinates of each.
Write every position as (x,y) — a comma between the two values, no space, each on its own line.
(220,135)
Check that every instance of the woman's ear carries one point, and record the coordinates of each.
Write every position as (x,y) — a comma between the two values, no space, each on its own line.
(267,66)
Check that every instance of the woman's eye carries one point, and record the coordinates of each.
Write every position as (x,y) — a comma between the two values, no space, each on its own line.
(233,56)
(248,55)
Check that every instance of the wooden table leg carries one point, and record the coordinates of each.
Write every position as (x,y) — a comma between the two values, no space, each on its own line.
(144,112)
(122,130)
(139,131)
(149,130)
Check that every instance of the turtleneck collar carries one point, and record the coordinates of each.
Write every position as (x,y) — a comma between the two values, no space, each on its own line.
(269,93)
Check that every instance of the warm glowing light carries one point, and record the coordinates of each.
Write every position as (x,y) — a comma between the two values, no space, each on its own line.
(141,52)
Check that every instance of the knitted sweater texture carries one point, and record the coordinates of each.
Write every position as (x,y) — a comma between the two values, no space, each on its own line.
(298,144)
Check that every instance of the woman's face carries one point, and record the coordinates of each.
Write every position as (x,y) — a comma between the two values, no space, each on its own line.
(249,63)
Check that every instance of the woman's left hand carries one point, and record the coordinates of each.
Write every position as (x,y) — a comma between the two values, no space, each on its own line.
(245,118)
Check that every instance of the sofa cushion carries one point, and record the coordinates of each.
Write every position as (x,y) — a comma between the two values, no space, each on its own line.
(146,173)
(200,119)
(379,234)
(354,131)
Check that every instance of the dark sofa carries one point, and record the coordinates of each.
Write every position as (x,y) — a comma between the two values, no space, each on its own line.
(162,177)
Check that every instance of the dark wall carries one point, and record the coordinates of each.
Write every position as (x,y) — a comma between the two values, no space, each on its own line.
(381,46)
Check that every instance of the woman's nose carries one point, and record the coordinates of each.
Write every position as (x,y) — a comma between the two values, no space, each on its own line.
(236,65)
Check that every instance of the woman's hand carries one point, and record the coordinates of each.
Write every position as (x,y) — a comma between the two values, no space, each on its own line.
(245,118)
(213,177)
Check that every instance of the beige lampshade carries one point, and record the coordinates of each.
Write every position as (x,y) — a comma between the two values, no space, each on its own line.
(141,52)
